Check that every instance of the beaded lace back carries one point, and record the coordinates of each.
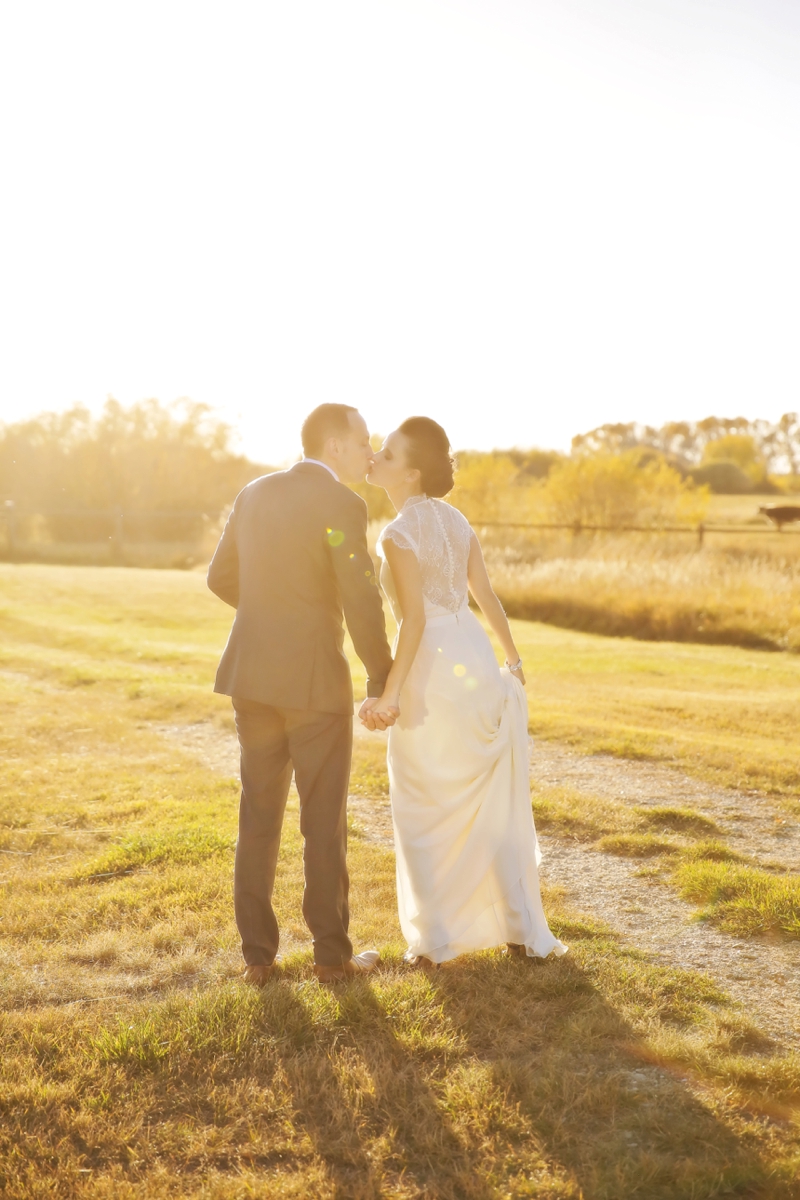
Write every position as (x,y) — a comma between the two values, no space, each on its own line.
(439,535)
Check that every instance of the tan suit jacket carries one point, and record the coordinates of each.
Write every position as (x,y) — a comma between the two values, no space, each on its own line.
(293,561)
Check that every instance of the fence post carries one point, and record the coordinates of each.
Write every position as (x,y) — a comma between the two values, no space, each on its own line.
(11,528)
(576,528)
(118,536)
(700,531)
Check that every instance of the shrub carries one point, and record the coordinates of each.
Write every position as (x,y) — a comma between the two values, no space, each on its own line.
(741,449)
(723,478)
(484,488)
(616,490)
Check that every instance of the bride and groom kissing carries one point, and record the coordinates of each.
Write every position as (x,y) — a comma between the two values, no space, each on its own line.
(293,562)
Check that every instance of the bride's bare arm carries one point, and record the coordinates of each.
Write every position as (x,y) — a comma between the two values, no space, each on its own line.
(408,585)
(484,595)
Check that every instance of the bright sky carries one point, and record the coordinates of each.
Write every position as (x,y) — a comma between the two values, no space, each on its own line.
(521,217)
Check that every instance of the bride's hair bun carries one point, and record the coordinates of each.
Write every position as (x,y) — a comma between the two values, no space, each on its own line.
(429,453)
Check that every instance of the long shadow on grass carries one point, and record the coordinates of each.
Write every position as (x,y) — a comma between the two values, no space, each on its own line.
(363,1097)
(494,1074)
(604,1116)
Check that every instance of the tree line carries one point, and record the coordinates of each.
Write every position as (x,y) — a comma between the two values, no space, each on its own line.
(717,450)
(179,459)
(147,457)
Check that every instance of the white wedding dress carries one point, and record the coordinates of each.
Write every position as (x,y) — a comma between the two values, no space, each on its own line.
(466,846)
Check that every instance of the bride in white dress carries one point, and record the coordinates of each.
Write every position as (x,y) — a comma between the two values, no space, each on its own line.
(466,846)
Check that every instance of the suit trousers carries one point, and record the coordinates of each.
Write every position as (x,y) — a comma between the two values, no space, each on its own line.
(318,746)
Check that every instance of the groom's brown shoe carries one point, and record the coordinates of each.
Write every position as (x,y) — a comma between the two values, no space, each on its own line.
(514,949)
(260,974)
(359,964)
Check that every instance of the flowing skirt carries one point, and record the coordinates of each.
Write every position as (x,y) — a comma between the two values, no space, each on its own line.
(466,846)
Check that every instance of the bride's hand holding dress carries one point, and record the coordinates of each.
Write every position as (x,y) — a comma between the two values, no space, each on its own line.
(466,846)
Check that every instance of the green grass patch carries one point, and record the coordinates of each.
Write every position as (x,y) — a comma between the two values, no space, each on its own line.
(369,776)
(180,847)
(742,900)
(710,850)
(636,845)
(574,814)
(471,1084)
(679,820)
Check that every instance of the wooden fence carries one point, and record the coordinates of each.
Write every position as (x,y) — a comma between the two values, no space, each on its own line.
(110,532)
(110,535)
(697,531)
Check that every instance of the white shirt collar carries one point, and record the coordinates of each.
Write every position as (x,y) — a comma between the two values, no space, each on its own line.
(317,463)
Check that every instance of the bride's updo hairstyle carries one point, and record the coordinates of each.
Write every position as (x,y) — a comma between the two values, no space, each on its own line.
(429,453)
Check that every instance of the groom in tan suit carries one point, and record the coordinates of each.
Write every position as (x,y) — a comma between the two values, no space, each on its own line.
(293,561)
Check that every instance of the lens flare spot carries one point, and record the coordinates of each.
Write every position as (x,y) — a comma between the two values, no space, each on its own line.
(460,670)
(352,555)
(470,683)
(335,537)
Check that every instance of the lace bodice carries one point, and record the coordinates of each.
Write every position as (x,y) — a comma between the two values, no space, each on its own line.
(439,535)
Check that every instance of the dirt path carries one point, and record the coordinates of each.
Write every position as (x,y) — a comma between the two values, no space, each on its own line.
(756,825)
(645,912)
(649,915)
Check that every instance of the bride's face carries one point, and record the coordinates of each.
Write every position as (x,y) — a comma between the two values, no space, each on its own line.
(390,470)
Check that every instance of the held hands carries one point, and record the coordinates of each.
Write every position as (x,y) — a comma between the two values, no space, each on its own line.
(378,713)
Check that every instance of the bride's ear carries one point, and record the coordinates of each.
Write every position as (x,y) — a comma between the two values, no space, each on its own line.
(413,475)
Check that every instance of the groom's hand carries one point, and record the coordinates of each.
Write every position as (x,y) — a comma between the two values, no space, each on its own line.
(365,714)
(374,718)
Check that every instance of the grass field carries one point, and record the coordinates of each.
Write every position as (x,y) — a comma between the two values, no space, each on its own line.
(136,1064)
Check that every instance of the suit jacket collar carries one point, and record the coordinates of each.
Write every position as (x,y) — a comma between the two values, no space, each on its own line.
(314,463)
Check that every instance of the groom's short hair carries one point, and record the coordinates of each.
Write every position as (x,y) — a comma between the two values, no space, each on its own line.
(326,421)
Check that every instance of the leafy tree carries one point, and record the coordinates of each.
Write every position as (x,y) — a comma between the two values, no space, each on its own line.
(145,458)
(616,490)
(379,506)
(741,450)
(723,477)
(534,464)
(684,443)
(484,483)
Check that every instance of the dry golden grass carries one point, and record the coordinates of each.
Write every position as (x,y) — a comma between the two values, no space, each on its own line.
(638,585)
(134,1063)
(740,589)
(705,597)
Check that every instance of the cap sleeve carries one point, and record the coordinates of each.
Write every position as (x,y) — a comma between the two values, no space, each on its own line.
(397,531)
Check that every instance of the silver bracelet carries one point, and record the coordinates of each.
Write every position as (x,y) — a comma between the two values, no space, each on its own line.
(517,666)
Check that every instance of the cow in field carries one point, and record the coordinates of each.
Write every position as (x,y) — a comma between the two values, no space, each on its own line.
(781,514)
